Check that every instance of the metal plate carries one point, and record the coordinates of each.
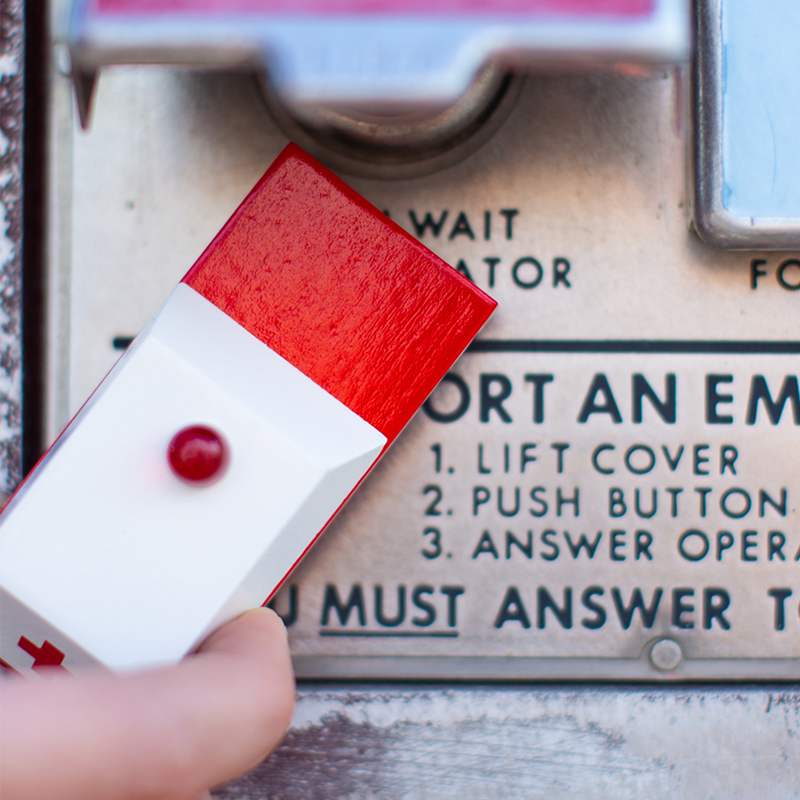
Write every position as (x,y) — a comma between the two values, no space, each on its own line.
(573,216)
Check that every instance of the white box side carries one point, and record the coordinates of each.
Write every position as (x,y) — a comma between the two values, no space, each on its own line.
(129,562)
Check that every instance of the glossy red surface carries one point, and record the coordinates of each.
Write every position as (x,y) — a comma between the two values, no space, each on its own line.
(198,455)
(340,291)
(580,8)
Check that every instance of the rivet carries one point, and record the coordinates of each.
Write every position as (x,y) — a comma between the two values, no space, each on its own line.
(666,654)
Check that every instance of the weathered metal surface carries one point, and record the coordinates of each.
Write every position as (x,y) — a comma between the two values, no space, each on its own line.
(477,743)
(11,121)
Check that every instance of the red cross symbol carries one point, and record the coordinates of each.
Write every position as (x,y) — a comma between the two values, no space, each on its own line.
(48,655)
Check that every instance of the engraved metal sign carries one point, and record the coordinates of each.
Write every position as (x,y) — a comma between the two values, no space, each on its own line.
(606,484)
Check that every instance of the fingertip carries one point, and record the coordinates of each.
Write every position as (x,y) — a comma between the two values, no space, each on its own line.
(267,617)
(253,630)
(161,733)
(255,646)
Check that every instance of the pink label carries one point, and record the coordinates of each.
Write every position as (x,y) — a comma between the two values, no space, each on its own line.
(575,8)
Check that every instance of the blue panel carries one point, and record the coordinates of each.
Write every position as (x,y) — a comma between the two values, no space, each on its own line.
(761,108)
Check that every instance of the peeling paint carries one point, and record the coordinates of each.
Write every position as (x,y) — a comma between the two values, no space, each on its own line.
(476,743)
(11,116)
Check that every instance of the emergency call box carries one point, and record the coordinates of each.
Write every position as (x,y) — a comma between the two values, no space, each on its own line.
(606,485)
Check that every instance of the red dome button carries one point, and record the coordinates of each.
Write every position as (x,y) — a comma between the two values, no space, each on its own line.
(198,455)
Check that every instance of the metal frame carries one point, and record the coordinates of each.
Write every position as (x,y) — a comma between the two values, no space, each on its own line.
(329,60)
(715,224)
(511,668)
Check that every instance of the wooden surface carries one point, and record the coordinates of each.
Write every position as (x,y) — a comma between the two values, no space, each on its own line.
(485,742)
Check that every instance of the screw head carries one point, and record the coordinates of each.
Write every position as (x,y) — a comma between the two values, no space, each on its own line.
(198,455)
(666,654)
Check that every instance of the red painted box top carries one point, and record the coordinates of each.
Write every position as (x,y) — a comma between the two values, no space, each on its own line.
(340,291)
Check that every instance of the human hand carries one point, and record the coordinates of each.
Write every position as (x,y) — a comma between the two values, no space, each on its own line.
(165,734)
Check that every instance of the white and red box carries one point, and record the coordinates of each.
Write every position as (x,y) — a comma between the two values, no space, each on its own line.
(306,335)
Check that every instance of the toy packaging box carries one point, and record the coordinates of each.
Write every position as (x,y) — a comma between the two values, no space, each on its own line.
(232,429)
